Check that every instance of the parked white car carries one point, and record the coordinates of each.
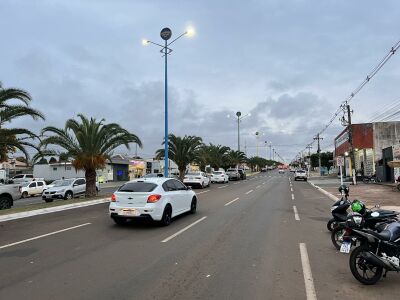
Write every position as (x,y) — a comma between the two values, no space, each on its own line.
(159,199)
(300,174)
(219,176)
(22,178)
(199,179)
(33,188)
(66,189)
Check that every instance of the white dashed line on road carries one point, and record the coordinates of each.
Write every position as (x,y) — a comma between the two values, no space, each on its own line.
(258,186)
(202,192)
(182,230)
(249,192)
(43,235)
(292,197)
(230,202)
(291,189)
(236,182)
(308,278)
(221,187)
(296,213)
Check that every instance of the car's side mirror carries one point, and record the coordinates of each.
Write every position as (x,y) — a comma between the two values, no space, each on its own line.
(189,188)
(75,184)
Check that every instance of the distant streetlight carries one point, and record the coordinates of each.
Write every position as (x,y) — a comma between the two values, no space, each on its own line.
(239,118)
(166,34)
(258,134)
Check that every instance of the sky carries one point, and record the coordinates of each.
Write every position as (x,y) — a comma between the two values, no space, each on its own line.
(288,63)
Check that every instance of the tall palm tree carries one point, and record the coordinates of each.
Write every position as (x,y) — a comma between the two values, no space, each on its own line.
(182,150)
(89,143)
(217,155)
(12,139)
(236,157)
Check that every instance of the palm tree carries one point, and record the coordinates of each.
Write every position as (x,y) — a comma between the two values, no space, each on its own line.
(89,143)
(217,155)
(182,151)
(236,157)
(15,138)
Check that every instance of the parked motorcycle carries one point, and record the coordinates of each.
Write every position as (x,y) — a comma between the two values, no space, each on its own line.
(376,220)
(377,252)
(371,179)
(339,208)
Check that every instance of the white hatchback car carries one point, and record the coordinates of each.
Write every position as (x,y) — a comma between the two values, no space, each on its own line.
(33,188)
(219,176)
(159,199)
(199,179)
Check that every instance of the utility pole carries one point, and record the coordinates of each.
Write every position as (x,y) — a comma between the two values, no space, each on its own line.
(270,151)
(309,159)
(318,138)
(350,131)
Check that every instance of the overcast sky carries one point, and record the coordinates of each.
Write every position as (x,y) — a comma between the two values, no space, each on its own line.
(288,63)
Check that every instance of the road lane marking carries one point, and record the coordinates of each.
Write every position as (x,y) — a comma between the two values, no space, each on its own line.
(291,189)
(258,186)
(236,182)
(183,230)
(308,279)
(221,187)
(292,197)
(43,235)
(296,213)
(249,192)
(230,202)
(202,192)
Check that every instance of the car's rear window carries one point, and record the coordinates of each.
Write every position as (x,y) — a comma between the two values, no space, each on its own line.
(301,171)
(138,187)
(217,173)
(193,174)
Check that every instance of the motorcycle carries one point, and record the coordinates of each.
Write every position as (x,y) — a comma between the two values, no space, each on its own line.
(377,252)
(372,179)
(339,208)
(375,220)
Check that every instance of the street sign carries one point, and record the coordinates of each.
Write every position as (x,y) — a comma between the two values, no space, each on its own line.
(340,161)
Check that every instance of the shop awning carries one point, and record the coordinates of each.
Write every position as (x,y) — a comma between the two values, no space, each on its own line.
(394,164)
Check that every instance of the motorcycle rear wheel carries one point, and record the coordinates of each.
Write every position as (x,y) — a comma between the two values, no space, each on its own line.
(337,237)
(364,272)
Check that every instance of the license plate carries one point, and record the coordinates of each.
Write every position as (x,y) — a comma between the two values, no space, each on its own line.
(345,248)
(129,212)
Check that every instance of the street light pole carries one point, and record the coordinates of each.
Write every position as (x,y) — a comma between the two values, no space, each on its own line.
(166,34)
(238,114)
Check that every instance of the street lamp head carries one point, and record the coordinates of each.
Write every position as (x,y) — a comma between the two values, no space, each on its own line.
(257,133)
(249,114)
(145,42)
(190,32)
(238,114)
(166,33)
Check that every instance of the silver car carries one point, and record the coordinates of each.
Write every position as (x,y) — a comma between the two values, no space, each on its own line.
(66,189)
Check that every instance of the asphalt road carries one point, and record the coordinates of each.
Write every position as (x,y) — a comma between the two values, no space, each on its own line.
(245,242)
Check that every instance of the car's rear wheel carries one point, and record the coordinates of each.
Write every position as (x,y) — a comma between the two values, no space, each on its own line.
(167,216)
(193,206)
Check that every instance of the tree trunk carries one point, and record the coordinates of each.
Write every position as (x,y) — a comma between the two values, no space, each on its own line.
(182,174)
(90,175)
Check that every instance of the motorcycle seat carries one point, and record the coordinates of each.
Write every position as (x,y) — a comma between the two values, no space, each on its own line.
(384,235)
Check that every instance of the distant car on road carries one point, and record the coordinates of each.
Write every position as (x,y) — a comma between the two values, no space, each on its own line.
(242,173)
(66,189)
(300,174)
(233,174)
(33,188)
(159,199)
(152,175)
(264,169)
(281,171)
(219,176)
(199,179)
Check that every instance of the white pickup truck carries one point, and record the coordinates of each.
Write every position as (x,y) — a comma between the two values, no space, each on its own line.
(9,193)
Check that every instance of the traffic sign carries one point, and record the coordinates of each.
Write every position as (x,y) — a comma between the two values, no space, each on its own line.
(340,161)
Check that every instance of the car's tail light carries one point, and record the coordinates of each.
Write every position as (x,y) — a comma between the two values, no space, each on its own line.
(113,198)
(153,198)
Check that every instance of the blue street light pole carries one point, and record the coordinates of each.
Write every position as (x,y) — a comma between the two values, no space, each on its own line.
(166,34)
(166,161)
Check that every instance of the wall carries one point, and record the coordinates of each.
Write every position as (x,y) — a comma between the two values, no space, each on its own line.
(54,172)
(386,134)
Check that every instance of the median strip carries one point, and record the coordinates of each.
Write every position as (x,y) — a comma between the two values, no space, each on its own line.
(230,202)
(43,235)
(182,230)
(249,192)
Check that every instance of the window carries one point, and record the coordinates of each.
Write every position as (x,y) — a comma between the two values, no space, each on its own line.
(54,169)
(179,185)
(18,176)
(169,186)
(29,176)
(68,168)
(80,182)
(32,185)
(138,187)
(39,183)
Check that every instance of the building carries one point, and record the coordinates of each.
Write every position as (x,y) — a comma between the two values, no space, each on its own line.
(369,142)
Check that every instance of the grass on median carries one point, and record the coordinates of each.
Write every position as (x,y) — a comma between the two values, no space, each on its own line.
(47,205)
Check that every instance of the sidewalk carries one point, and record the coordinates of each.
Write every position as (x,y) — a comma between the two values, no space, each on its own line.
(371,194)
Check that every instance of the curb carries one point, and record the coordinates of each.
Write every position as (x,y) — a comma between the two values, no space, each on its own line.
(42,211)
(332,197)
